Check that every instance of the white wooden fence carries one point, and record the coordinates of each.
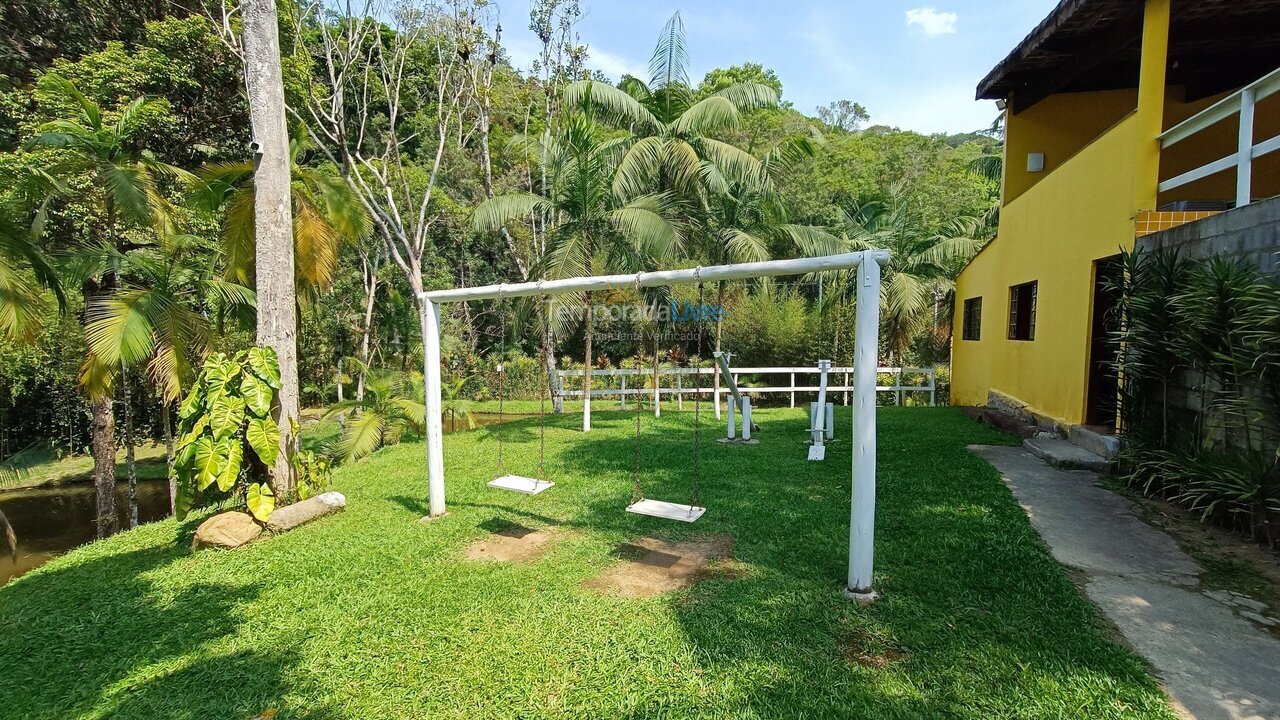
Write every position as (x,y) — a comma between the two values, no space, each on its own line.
(678,382)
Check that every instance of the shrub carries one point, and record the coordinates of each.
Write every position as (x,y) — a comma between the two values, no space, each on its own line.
(1199,356)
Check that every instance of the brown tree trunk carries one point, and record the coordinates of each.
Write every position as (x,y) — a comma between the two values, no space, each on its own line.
(130,458)
(104,466)
(273,222)
(587,364)
(168,455)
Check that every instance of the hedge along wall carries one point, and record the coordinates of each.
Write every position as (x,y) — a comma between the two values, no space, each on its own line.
(1200,362)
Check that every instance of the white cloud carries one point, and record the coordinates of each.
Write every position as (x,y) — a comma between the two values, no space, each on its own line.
(614,66)
(932,22)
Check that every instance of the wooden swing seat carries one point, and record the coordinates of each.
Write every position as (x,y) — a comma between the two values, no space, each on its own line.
(666,510)
(520,484)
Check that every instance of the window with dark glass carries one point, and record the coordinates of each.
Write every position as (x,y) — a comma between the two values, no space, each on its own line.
(972,329)
(1022,311)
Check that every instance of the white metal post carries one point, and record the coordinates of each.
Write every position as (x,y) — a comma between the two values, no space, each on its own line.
(679,387)
(746,417)
(820,413)
(1244,149)
(846,389)
(793,389)
(862,511)
(829,427)
(431,382)
(732,431)
(622,397)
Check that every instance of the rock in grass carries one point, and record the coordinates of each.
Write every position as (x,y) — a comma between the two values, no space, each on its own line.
(301,513)
(226,530)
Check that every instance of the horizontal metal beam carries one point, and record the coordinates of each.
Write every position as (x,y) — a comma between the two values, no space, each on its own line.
(661,278)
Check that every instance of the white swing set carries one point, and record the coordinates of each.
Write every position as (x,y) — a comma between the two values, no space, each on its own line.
(866,351)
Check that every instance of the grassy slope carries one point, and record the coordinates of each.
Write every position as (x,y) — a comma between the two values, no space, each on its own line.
(373,615)
(149,461)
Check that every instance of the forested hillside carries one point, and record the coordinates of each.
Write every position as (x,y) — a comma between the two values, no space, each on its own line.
(126,191)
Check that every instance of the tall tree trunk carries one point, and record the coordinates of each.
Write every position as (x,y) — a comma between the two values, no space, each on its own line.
(168,455)
(130,458)
(104,466)
(588,363)
(589,326)
(339,380)
(273,222)
(370,275)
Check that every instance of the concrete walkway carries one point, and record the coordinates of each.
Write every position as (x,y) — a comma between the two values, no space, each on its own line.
(1211,649)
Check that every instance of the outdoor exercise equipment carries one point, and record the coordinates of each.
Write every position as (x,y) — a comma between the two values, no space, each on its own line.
(506,480)
(867,318)
(736,400)
(641,505)
(821,416)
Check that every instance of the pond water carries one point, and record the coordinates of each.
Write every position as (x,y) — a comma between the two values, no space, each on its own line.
(49,521)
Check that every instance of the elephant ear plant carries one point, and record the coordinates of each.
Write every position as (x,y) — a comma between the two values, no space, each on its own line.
(228,441)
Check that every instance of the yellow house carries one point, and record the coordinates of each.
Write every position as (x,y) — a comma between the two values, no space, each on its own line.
(1122,117)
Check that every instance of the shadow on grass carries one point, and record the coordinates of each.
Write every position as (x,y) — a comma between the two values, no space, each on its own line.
(56,624)
(971,597)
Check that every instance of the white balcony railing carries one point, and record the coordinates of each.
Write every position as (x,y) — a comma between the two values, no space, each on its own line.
(1239,103)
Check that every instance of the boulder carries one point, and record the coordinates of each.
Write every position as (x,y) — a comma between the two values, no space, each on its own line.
(301,513)
(226,530)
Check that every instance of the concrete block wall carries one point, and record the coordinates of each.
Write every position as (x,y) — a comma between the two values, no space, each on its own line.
(1250,234)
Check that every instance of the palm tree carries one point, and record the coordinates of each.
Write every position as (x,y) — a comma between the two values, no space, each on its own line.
(393,404)
(456,406)
(120,183)
(738,219)
(326,215)
(593,220)
(923,262)
(673,126)
(160,314)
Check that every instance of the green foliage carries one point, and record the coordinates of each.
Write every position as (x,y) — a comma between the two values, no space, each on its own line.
(393,405)
(1202,335)
(227,440)
(312,473)
(749,72)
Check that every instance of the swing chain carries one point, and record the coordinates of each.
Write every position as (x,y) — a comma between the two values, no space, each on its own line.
(542,393)
(697,402)
(502,381)
(637,492)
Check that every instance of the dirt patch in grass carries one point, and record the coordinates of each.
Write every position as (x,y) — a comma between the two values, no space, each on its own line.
(651,566)
(511,543)
(869,651)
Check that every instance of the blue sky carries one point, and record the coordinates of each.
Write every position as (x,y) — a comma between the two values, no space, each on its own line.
(912,63)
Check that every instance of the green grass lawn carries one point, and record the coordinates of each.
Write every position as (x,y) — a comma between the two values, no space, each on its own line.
(371,614)
(40,467)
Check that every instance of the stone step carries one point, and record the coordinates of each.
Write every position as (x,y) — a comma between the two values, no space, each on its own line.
(1104,446)
(1062,453)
